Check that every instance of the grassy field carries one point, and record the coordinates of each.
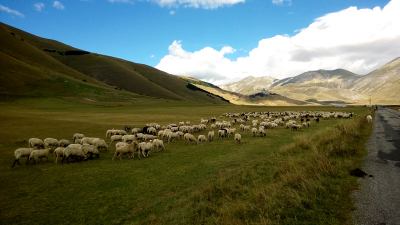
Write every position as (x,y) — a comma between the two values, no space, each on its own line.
(285,178)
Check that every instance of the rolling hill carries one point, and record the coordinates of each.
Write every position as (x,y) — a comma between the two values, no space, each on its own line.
(250,85)
(34,66)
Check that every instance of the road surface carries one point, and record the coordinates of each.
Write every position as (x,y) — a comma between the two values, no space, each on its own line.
(378,200)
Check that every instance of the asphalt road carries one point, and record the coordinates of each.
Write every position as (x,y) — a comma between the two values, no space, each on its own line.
(378,200)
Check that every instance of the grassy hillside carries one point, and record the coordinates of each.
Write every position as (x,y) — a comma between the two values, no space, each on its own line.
(34,66)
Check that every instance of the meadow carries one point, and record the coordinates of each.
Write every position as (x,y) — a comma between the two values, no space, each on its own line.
(287,177)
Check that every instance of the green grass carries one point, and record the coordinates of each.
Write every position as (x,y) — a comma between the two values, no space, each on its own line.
(257,182)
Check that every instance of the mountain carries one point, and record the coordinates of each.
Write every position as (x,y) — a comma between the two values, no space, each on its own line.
(320,85)
(250,85)
(260,98)
(381,85)
(34,66)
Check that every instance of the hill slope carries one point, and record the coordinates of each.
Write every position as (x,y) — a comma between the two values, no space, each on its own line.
(34,66)
(250,85)
(383,84)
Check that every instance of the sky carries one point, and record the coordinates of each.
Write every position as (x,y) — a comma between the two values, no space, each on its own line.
(221,41)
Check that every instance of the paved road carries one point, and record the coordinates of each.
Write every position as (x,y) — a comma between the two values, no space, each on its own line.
(378,200)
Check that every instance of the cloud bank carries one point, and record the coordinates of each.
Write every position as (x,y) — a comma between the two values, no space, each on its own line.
(8,10)
(359,40)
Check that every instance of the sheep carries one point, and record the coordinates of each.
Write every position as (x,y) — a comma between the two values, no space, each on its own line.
(189,138)
(238,138)
(210,135)
(135,130)
(122,148)
(158,144)
(77,136)
(21,153)
(128,138)
(38,154)
(261,131)
(115,138)
(369,119)
(222,133)
(151,130)
(36,143)
(59,153)
(254,131)
(148,137)
(145,148)
(51,143)
(201,138)
(90,151)
(100,144)
(74,151)
(64,143)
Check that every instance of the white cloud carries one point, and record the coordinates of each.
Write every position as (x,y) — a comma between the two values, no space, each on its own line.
(205,4)
(14,12)
(359,40)
(58,5)
(172,12)
(39,6)
(282,2)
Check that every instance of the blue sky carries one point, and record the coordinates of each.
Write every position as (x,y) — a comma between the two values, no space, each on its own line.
(142,30)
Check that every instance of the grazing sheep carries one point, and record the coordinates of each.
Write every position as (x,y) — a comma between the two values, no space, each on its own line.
(59,153)
(74,151)
(189,138)
(88,140)
(100,144)
(123,148)
(158,144)
(135,130)
(36,143)
(210,135)
(77,141)
(151,130)
(37,155)
(90,151)
(51,143)
(145,148)
(129,138)
(77,136)
(238,138)
(21,153)
(115,138)
(64,143)
(201,138)
(369,119)
(254,131)
(261,131)
(222,133)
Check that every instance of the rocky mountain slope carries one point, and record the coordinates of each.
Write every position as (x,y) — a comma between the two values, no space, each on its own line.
(250,85)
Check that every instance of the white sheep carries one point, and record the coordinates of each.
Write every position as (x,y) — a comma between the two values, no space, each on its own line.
(238,138)
(254,131)
(64,143)
(135,130)
(77,136)
(21,153)
(38,154)
(100,144)
(222,133)
(189,138)
(369,119)
(151,130)
(74,151)
(201,138)
(210,135)
(36,143)
(115,138)
(123,148)
(90,151)
(59,153)
(129,138)
(158,144)
(145,148)
(51,143)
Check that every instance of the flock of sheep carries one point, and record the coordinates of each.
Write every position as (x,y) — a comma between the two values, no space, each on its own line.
(150,138)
